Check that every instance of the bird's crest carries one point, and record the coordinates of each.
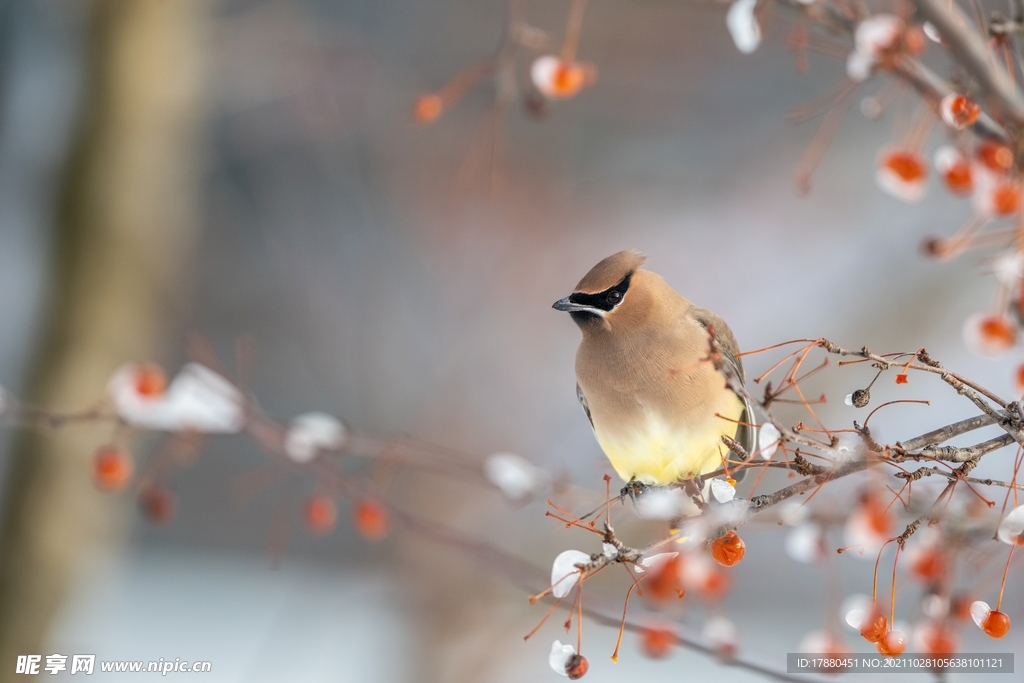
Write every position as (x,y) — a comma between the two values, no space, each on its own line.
(611,271)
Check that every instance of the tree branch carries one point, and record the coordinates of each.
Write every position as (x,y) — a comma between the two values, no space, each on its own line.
(970,51)
(937,436)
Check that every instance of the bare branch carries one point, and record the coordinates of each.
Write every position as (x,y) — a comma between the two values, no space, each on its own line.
(954,454)
(958,474)
(970,51)
(937,436)
(929,471)
(758,503)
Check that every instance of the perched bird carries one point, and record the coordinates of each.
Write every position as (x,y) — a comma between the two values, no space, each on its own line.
(645,378)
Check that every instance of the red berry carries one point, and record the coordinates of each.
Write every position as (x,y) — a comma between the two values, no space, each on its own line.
(567,79)
(892,644)
(112,468)
(370,519)
(559,79)
(715,584)
(907,165)
(959,111)
(657,642)
(576,667)
(940,641)
(150,380)
(1018,384)
(874,627)
(996,157)
(876,512)
(665,582)
(998,331)
(996,624)
(428,108)
(1006,198)
(728,550)
(958,178)
(929,565)
(914,40)
(157,503)
(321,514)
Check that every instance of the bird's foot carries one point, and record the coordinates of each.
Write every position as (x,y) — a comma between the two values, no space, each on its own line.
(634,489)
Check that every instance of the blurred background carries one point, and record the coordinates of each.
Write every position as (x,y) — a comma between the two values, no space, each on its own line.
(251,169)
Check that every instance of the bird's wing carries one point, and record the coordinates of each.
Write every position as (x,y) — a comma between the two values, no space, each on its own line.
(583,402)
(726,339)
(746,433)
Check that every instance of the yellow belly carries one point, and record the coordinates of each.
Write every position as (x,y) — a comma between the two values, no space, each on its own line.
(662,453)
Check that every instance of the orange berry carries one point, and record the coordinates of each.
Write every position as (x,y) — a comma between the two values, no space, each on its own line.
(150,380)
(427,108)
(1006,198)
(665,581)
(370,519)
(903,173)
(940,640)
(112,468)
(965,111)
(996,157)
(996,624)
(901,378)
(958,178)
(874,627)
(906,164)
(728,550)
(914,40)
(1019,379)
(321,514)
(576,667)
(657,642)
(559,79)
(877,514)
(955,170)
(715,585)
(892,644)
(157,503)
(958,111)
(999,331)
(567,80)
(989,334)
(929,565)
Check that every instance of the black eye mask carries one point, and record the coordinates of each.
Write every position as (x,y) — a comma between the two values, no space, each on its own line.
(600,300)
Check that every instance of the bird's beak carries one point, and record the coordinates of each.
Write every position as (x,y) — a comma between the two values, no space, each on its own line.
(569,306)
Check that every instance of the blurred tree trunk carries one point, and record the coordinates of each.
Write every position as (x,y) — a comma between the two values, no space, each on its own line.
(125,227)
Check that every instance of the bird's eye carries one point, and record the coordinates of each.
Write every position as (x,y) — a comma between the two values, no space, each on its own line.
(614,296)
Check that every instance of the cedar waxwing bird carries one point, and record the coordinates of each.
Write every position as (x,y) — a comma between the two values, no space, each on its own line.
(645,378)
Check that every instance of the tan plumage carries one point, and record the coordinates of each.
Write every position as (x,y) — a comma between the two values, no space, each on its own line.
(644,377)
